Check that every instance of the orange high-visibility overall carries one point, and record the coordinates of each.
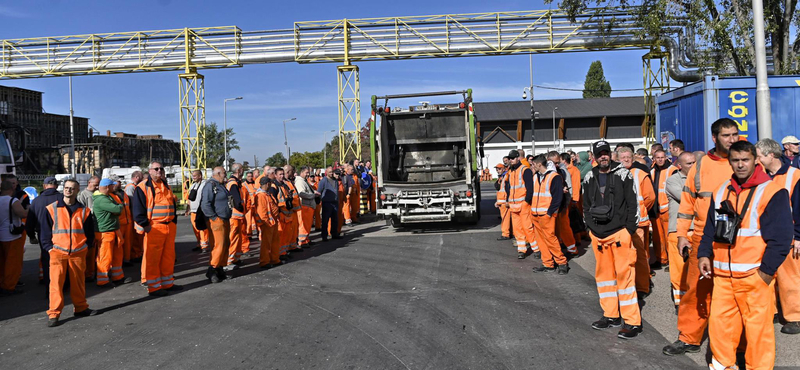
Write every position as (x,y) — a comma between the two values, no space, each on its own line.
(295,222)
(545,225)
(788,277)
(661,223)
(238,222)
(159,242)
(68,256)
(267,216)
(614,274)
(505,214)
(521,217)
(641,241)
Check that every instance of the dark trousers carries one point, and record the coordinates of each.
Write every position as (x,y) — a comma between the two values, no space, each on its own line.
(330,216)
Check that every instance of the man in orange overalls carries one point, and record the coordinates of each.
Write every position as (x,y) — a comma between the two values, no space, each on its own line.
(154,215)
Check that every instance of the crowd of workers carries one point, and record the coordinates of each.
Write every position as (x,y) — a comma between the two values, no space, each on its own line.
(726,220)
(89,235)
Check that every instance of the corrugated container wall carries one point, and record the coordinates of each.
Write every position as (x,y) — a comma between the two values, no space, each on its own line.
(687,113)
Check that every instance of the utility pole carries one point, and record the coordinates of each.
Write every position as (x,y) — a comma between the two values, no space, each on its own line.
(285,139)
(533,112)
(73,168)
(554,128)
(763,106)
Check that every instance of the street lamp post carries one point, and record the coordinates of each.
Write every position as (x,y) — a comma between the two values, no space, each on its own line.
(285,139)
(325,148)
(554,127)
(225,128)
(533,113)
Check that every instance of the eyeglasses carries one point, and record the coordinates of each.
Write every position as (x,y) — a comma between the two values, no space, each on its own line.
(157,168)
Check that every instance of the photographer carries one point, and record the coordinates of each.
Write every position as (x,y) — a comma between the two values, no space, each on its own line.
(747,239)
(612,216)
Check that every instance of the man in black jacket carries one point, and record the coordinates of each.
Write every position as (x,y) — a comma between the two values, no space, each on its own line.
(37,216)
(611,212)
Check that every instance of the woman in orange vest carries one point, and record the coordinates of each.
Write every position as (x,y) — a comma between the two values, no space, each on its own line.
(66,238)
(743,270)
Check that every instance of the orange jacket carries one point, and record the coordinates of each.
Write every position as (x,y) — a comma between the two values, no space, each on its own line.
(542,199)
(124,216)
(575,177)
(68,232)
(251,191)
(662,201)
(702,180)
(243,194)
(266,208)
(644,194)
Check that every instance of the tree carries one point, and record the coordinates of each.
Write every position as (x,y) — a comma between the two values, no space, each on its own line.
(596,85)
(312,159)
(215,145)
(722,29)
(277,160)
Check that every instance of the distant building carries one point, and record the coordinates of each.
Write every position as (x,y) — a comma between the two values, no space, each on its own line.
(121,150)
(503,126)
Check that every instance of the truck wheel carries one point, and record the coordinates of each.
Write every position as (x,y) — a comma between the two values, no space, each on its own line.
(394,222)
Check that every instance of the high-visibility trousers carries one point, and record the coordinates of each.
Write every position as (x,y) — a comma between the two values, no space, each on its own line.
(346,213)
(62,264)
(245,248)
(305,220)
(11,259)
(354,199)
(614,274)
(642,245)
(219,238)
(126,230)
(270,245)
(318,216)
(741,304)
(159,252)
(523,228)
(294,230)
(660,243)
(91,258)
(235,248)
(564,231)
(676,276)
(284,231)
(505,225)
(109,258)
(693,310)
(788,280)
(545,229)
(250,224)
(200,235)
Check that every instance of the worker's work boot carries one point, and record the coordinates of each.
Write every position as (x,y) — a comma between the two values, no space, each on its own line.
(563,269)
(544,268)
(52,322)
(521,255)
(791,328)
(87,312)
(679,347)
(537,255)
(629,331)
(607,322)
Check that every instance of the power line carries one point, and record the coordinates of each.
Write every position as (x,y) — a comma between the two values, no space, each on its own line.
(567,89)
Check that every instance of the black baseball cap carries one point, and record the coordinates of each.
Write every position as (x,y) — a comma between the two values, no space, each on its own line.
(264,181)
(513,154)
(600,146)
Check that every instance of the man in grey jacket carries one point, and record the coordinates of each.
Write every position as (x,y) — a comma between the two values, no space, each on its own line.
(328,190)
(215,204)
(674,188)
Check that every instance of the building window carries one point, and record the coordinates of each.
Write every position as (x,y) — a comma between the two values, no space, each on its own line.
(3,107)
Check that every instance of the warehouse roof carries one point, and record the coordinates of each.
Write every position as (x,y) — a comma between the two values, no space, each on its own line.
(567,108)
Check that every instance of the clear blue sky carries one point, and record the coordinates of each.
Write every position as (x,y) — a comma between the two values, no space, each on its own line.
(147,103)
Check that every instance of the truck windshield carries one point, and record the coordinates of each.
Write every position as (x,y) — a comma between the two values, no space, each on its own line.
(5,151)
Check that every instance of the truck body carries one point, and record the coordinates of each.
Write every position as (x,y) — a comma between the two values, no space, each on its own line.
(687,112)
(7,160)
(426,159)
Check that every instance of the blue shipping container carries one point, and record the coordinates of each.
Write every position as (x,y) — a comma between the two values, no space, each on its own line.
(687,113)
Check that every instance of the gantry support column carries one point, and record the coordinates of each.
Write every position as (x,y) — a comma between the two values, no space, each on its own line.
(656,81)
(193,123)
(349,112)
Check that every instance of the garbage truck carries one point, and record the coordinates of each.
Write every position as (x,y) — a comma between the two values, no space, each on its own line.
(427,159)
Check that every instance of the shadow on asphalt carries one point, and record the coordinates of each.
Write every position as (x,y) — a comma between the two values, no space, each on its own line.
(189,265)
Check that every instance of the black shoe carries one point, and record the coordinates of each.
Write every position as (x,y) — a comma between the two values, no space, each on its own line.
(655,266)
(14,291)
(504,238)
(666,269)
(676,310)
(337,237)
(87,312)
(230,268)
(679,348)
(89,280)
(544,269)
(20,284)
(791,328)
(215,279)
(107,286)
(266,267)
(238,263)
(324,240)
(205,251)
(537,255)
(606,322)
(127,264)
(158,293)
(563,269)
(197,249)
(629,331)
(284,257)
(641,295)
(126,280)
(521,255)
(53,322)
(174,288)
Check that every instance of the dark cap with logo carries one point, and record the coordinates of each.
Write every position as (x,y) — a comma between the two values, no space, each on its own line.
(600,146)
(513,154)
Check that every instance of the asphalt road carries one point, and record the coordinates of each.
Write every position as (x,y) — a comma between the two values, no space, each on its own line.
(427,297)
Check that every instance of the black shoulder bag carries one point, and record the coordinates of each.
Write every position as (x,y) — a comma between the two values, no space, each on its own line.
(728,221)
(603,213)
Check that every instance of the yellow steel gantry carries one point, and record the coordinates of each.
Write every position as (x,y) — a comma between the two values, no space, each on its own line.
(337,41)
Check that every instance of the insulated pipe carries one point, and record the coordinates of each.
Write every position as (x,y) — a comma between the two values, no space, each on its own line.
(763,108)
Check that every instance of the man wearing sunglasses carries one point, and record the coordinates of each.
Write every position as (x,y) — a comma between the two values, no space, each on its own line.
(154,214)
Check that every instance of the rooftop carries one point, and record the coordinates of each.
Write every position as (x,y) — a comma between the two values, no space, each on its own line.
(567,108)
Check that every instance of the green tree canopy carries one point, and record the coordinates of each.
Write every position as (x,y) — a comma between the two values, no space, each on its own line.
(215,145)
(277,160)
(596,85)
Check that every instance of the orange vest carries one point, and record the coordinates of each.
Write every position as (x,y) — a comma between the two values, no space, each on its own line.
(644,195)
(788,180)
(68,236)
(160,206)
(745,257)
(251,191)
(575,176)
(663,201)
(125,217)
(266,210)
(501,194)
(542,199)
(186,186)
(517,188)
(702,180)
(243,193)
(294,195)
(286,214)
